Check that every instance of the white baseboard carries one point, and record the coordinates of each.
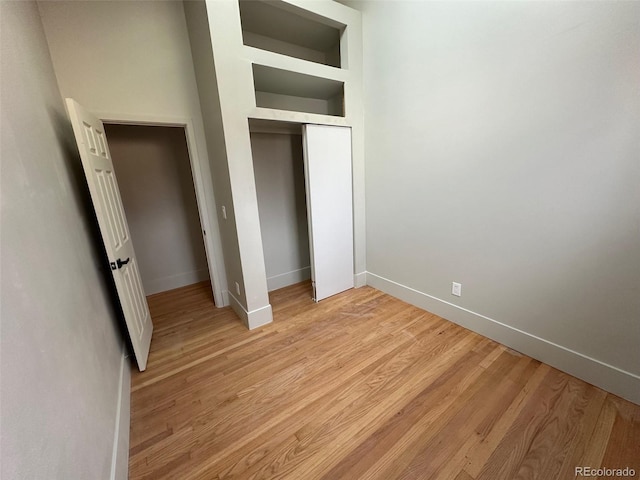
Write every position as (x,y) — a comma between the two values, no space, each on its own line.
(225,299)
(288,278)
(162,284)
(260,317)
(612,379)
(360,279)
(237,307)
(253,319)
(120,453)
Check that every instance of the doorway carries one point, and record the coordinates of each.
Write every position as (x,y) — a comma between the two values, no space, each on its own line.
(156,183)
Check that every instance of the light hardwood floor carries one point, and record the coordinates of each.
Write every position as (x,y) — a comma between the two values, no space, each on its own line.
(358,386)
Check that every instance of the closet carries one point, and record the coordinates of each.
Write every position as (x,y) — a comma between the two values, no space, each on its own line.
(156,185)
(278,167)
(303,186)
(280,90)
(302,171)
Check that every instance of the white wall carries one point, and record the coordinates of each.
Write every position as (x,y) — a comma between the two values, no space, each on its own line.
(279,174)
(61,353)
(132,59)
(503,148)
(214,30)
(209,98)
(154,176)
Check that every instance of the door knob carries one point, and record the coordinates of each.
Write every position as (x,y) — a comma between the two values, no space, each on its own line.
(118,264)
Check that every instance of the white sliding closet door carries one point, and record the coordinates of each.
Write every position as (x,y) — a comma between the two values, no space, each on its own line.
(327,163)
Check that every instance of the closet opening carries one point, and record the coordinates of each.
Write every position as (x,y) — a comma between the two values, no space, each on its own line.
(154,171)
(278,165)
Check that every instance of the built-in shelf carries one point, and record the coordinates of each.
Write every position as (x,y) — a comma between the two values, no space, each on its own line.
(283,28)
(287,90)
(296,117)
(273,126)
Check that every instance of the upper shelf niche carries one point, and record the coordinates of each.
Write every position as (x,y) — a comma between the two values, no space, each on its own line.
(284,29)
(286,90)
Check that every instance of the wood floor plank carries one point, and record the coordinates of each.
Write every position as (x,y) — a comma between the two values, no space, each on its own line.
(462,475)
(585,429)
(444,457)
(599,441)
(393,438)
(477,458)
(358,386)
(623,448)
(237,430)
(364,422)
(334,402)
(429,452)
(538,441)
(345,376)
(343,420)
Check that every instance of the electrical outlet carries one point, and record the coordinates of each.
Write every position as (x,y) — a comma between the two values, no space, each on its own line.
(456,289)
(237,288)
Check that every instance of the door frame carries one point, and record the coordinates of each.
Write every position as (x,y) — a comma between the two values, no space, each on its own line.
(199,171)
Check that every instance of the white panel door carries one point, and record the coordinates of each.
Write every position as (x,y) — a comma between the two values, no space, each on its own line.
(327,163)
(98,168)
